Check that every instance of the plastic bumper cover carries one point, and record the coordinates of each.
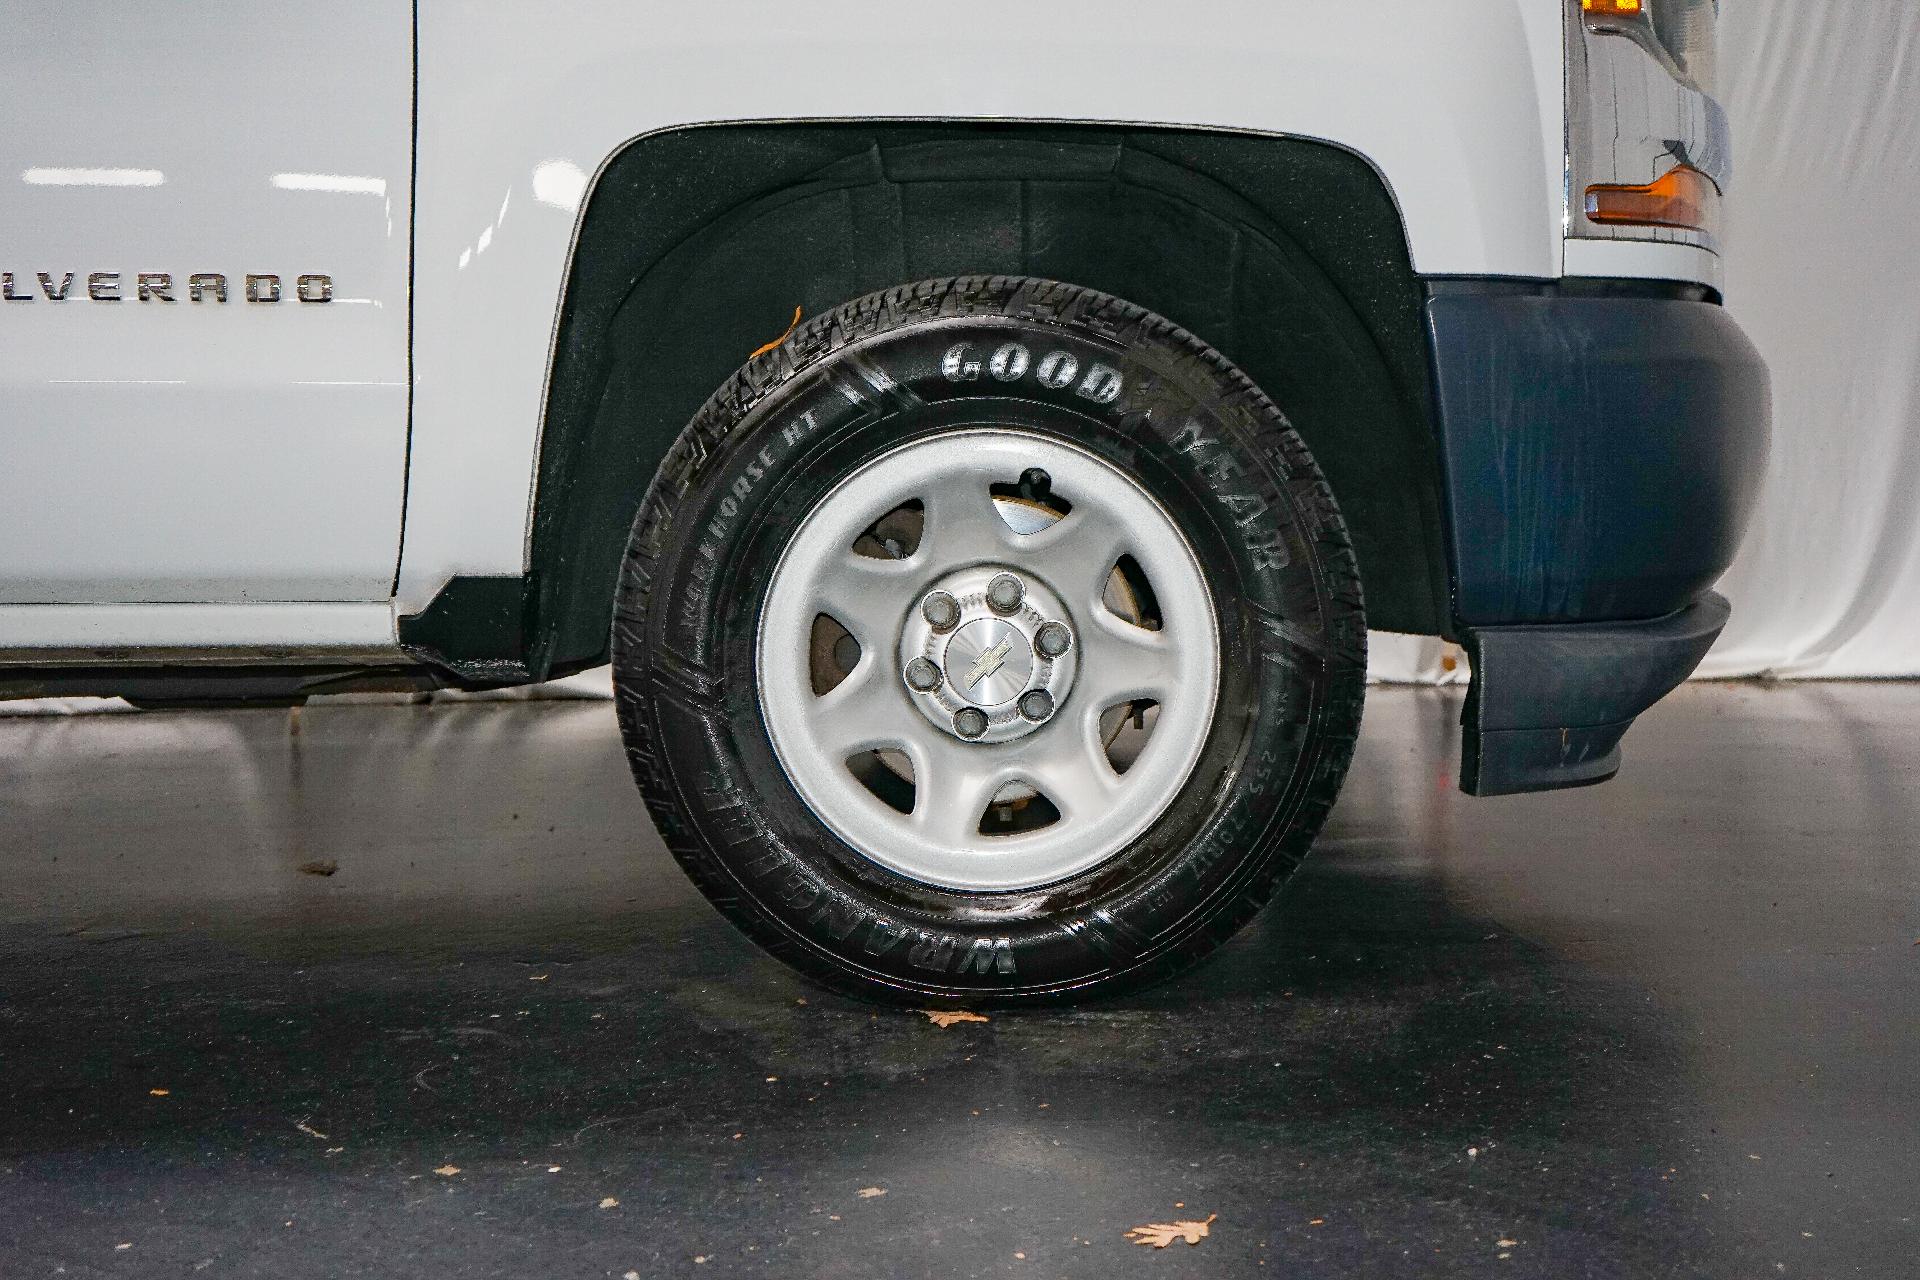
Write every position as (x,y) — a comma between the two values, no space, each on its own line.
(1549,705)
(1602,455)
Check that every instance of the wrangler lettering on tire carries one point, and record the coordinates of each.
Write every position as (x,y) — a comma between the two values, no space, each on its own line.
(990,640)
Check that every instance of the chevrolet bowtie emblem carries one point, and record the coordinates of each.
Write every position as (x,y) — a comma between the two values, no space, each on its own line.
(989,662)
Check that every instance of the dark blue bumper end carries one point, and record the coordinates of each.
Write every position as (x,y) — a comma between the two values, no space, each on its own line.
(1549,704)
(1602,452)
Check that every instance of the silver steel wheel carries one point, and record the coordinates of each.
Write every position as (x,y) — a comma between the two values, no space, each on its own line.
(966,683)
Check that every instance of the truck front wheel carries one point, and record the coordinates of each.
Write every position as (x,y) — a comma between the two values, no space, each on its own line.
(991,640)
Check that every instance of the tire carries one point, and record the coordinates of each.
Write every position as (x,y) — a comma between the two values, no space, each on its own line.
(957,377)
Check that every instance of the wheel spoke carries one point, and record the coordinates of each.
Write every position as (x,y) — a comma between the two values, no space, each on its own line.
(952,786)
(864,711)
(1074,771)
(866,596)
(1077,555)
(1120,662)
(962,527)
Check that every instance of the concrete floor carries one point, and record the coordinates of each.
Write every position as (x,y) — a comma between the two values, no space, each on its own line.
(1665,1027)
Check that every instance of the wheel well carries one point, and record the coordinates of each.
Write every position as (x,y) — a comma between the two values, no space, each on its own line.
(697,244)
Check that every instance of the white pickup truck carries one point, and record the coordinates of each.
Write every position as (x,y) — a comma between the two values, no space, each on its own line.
(979,439)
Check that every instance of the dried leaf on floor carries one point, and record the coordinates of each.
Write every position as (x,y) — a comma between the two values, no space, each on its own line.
(309,1130)
(319,867)
(869,1193)
(947,1017)
(447,1170)
(608,1202)
(1161,1234)
(159,1093)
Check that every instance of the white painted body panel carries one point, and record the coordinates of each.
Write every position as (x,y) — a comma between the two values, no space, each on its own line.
(1460,107)
(160,451)
(290,632)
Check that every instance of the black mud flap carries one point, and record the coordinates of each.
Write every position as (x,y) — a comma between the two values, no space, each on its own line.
(1549,704)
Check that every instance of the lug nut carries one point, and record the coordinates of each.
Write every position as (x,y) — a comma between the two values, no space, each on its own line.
(1005,593)
(1036,705)
(970,722)
(1053,639)
(923,675)
(940,610)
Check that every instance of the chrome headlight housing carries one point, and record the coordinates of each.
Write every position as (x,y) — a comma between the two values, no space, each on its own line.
(1648,150)
(1679,33)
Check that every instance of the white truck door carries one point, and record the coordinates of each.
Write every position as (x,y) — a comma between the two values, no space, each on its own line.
(204,329)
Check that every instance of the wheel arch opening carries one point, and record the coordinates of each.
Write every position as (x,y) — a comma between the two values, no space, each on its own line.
(697,244)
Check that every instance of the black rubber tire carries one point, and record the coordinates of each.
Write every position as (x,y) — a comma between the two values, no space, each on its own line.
(1191,428)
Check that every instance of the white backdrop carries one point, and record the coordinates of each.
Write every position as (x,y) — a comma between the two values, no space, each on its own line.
(1823,271)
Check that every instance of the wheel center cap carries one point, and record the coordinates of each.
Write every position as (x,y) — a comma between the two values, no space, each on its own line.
(988,653)
(989,662)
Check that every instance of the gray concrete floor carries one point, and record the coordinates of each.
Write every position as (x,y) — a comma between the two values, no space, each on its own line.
(1668,1026)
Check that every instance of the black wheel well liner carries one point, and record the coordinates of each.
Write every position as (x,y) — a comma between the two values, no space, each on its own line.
(698,243)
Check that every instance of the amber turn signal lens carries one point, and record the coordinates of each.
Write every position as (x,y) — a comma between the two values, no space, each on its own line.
(1683,197)
(1613,8)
